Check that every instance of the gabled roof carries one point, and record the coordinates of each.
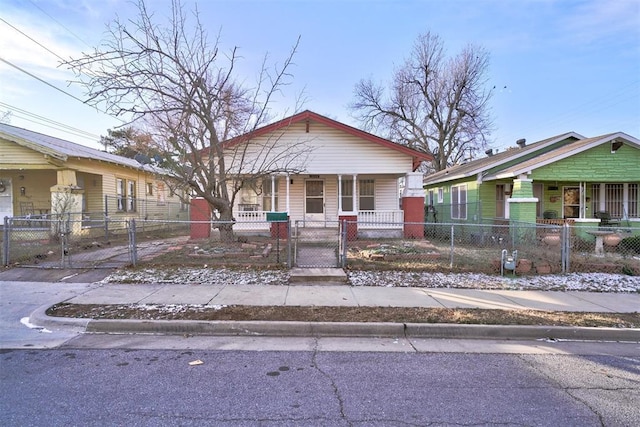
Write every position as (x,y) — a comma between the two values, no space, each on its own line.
(475,167)
(309,116)
(61,149)
(562,153)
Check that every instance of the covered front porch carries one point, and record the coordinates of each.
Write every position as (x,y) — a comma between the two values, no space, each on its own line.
(376,202)
(322,201)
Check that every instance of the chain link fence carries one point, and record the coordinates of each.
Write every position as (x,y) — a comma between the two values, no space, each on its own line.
(521,249)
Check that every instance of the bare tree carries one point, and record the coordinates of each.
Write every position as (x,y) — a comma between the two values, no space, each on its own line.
(192,100)
(434,104)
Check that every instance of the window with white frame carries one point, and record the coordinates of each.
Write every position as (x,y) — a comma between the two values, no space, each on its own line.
(266,195)
(347,195)
(459,201)
(431,197)
(125,195)
(440,195)
(367,195)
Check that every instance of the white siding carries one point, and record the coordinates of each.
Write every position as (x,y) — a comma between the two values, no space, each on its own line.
(325,150)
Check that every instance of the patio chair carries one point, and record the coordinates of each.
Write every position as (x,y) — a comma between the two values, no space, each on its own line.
(606,220)
(26,209)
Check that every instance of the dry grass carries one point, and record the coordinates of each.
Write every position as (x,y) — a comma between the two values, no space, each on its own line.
(349,314)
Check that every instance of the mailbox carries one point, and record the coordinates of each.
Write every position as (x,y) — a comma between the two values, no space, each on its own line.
(276,216)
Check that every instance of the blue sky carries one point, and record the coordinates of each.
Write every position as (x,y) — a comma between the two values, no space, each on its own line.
(557,66)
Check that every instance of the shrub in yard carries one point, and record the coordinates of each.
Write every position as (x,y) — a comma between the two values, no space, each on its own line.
(630,244)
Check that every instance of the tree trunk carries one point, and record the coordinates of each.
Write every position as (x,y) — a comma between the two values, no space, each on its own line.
(226,226)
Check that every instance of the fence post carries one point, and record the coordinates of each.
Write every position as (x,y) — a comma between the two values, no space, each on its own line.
(566,248)
(295,246)
(452,246)
(343,244)
(133,254)
(289,244)
(5,242)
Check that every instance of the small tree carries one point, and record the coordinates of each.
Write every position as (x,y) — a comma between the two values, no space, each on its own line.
(433,104)
(127,142)
(192,100)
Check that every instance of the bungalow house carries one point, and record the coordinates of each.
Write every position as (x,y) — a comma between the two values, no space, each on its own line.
(566,178)
(42,175)
(342,173)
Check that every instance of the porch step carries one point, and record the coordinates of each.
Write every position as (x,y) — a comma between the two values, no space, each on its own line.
(318,276)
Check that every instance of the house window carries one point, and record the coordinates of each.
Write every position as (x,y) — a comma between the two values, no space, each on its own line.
(248,199)
(347,195)
(131,196)
(266,195)
(500,211)
(126,195)
(431,197)
(459,202)
(161,194)
(440,195)
(149,188)
(611,198)
(367,195)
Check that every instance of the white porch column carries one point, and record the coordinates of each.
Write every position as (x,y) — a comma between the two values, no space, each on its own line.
(354,196)
(339,193)
(273,193)
(288,183)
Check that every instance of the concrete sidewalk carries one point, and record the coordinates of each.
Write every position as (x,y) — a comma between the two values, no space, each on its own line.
(369,296)
(344,295)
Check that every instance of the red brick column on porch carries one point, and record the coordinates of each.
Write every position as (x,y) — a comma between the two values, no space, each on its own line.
(200,212)
(413,208)
(279,230)
(352,225)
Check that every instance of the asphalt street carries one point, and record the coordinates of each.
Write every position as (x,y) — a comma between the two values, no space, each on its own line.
(232,388)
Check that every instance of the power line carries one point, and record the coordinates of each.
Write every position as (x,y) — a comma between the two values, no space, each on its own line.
(58,125)
(58,22)
(33,40)
(41,80)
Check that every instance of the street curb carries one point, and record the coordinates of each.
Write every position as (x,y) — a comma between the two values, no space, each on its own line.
(369,330)
(39,317)
(578,333)
(334,329)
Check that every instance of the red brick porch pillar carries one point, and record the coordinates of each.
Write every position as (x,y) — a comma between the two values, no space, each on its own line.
(200,212)
(413,206)
(352,226)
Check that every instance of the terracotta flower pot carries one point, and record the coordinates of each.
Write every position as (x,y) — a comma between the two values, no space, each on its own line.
(612,240)
(551,239)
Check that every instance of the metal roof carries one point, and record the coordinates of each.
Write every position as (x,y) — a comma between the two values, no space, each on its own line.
(62,149)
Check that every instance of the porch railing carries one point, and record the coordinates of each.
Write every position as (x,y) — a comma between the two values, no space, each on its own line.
(380,219)
(251,220)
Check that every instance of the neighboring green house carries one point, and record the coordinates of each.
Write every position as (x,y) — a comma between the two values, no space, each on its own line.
(564,178)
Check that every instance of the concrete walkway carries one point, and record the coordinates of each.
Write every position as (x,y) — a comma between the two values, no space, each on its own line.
(344,295)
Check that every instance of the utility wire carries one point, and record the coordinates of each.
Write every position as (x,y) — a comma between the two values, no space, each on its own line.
(62,126)
(33,40)
(58,22)
(41,80)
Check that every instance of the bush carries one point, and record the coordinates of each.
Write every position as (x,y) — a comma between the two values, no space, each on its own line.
(630,244)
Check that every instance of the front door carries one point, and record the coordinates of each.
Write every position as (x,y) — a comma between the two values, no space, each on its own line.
(571,202)
(314,200)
